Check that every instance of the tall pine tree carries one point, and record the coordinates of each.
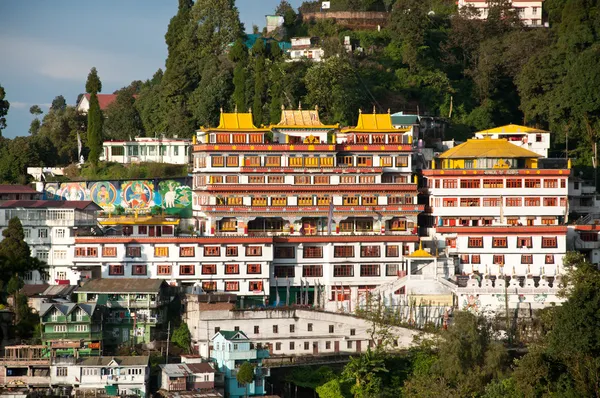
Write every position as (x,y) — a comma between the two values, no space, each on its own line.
(239,55)
(94,129)
(260,80)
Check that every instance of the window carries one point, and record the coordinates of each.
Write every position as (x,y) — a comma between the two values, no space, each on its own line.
(464,259)
(386,161)
(60,254)
(233,286)
(309,327)
(134,251)
(526,259)
(391,269)
(469,202)
(292,328)
(283,271)
(276,179)
(343,251)
(392,251)
(350,201)
(549,242)
(366,179)
(138,269)
(256,329)
(398,224)
(499,242)
(60,328)
(161,251)
(186,251)
(548,221)
(470,183)
(272,161)
(212,251)
(550,202)
(163,270)
(252,161)
(42,255)
(493,183)
(59,233)
(254,251)
(255,286)
(312,252)
(498,259)
(186,270)
(306,345)
(256,179)
(514,183)
(475,259)
(285,252)
(524,242)
(209,286)
(402,161)
(321,180)
(369,251)
(347,179)
(349,344)
(305,201)
(513,202)
(232,161)
(370,270)
(43,233)
(342,270)
(81,328)
(450,202)
(549,259)
(302,180)
(550,183)
(331,328)
(532,201)
(278,201)
(61,371)
(369,200)
(259,202)
(116,269)
(450,184)
(232,179)
(532,183)
(365,161)
(275,329)
(209,269)
(86,252)
(312,270)
(253,269)
(491,202)
(217,161)
(475,242)
(232,269)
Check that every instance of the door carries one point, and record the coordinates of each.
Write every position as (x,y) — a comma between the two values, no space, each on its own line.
(336,346)
(358,342)
(151,231)
(316,348)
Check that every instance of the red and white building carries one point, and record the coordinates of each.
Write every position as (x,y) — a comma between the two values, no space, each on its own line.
(530,12)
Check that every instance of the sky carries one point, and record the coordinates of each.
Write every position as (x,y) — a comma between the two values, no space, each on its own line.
(47,48)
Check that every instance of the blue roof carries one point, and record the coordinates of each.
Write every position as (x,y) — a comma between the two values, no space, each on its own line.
(253,37)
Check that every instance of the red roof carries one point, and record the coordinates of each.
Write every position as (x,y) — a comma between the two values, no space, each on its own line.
(6,188)
(52,204)
(105,99)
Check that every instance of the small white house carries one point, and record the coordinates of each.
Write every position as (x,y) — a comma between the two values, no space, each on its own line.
(147,149)
(306,48)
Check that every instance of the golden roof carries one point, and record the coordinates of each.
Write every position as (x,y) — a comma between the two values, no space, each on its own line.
(487,148)
(375,121)
(512,129)
(301,118)
(420,252)
(236,121)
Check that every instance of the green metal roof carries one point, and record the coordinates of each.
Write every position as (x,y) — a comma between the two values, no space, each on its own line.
(232,334)
(404,120)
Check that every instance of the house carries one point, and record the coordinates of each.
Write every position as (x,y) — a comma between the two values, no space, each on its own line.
(530,11)
(230,350)
(305,48)
(134,308)
(187,376)
(71,329)
(18,192)
(44,293)
(147,149)
(104,100)
(50,227)
(25,368)
(535,140)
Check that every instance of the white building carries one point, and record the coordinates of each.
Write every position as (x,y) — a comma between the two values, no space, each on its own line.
(147,149)
(50,228)
(529,138)
(530,12)
(187,376)
(306,48)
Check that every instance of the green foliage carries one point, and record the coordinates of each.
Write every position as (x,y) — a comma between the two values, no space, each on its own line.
(93,84)
(245,374)
(123,120)
(95,119)
(35,110)
(58,103)
(260,84)
(15,255)
(182,337)
(309,377)
(4,106)
(366,373)
(117,171)
(14,284)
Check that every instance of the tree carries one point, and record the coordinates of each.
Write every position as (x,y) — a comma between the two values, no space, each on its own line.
(58,103)
(260,80)
(4,106)
(148,103)
(182,337)
(122,118)
(16,253)
(35,110)
(239,55)
(13,286)
(366,373)
(245,374)
(94,128)
(35,123)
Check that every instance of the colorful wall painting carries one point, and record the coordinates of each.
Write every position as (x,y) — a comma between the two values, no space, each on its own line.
(173,195)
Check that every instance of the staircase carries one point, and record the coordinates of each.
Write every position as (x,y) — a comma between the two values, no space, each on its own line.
(384,290)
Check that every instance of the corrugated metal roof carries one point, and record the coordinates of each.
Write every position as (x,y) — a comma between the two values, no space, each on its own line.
(511,129)
(404,120)
(9,188)
(184,369)
(121,361)
(125,285)
(52,204)
(236,121)
(487,148)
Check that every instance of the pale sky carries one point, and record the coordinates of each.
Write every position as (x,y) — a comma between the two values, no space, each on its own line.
(47,48)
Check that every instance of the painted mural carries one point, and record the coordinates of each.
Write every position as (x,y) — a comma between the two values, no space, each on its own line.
(174,196)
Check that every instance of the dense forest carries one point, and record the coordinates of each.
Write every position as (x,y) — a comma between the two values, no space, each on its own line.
(429,58)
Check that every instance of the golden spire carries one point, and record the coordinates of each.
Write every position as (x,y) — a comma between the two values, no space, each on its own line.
(299,105)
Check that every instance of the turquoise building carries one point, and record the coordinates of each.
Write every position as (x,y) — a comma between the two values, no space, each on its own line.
(230,349)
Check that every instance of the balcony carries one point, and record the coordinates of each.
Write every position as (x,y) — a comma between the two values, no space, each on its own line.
(23,381)
(72,335)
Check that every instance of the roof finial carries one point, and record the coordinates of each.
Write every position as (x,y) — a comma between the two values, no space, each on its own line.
(389,111)
(359,111)
(374,110)
(299,105)
(221,109)
(250,110)
(317,108)
(282,107)
(235,108)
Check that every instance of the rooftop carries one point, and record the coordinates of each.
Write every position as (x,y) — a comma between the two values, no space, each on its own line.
(51,204)
(301,118)
(373,122)
(125,285)
(185,369)
(7,188)
(487,148)
(120,361)
(67,308)
(512,129)
(232,335)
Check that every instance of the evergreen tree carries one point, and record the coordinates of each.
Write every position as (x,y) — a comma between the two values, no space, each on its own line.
(58,103)
(239,55)
(94,128)
(4,105)
(260,81)
(122,118)
(15,252)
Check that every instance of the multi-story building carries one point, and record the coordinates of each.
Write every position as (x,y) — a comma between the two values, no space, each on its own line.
(134,309)
(335,207)
(230,350)
(50,228)
(18,192)
(25,368)
(306,48)
(530,11)
(533,139)
(71,328)
(147,149)
(498,214)
(187,376)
